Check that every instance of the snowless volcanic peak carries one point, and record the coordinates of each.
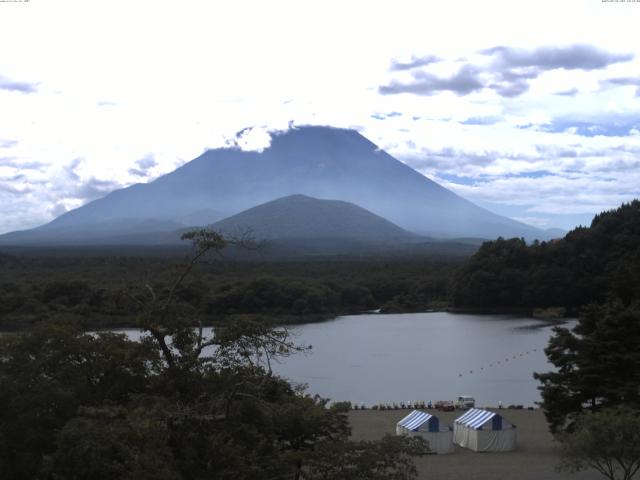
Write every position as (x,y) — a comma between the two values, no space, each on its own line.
(319,162)
(301,216)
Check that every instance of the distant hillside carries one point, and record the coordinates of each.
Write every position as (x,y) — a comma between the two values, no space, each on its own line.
(296,226)
(116,231)
(321,162)
(594,264)
(303,217)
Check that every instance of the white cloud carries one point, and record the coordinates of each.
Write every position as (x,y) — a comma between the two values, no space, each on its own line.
(169,79)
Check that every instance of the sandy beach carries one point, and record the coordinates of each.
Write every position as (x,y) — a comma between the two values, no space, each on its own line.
(535,458)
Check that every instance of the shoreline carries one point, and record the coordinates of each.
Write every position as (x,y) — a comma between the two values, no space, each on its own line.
(535,458)
(101,321)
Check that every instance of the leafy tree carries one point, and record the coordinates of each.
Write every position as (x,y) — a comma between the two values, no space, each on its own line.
(387,459)
(597,365)
(114,442)
(607,441)
(47,374)
(178,404)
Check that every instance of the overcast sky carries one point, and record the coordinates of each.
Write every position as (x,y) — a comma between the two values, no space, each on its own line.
(531,109)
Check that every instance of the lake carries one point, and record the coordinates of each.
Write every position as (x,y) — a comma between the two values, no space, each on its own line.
(376,358)
(422,356)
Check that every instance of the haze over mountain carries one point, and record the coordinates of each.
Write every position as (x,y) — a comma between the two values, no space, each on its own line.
(321,162)
(302,226)
(303,217)
(294,220)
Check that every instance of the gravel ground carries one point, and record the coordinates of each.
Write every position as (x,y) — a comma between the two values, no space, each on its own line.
(534,459)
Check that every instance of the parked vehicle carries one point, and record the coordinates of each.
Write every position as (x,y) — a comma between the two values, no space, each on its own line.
(445,406)
(465,402)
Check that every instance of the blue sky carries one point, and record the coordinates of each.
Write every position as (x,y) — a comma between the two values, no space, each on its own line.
(531,109)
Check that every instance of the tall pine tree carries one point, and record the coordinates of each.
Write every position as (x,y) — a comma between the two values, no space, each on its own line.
(597,365)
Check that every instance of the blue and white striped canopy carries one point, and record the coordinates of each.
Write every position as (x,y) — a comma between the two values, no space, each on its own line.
(475,418)
(414,420)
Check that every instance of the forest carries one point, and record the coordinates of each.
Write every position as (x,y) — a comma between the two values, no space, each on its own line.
(78,405)
(89,406)
(100,291)
(590,398)
(589,265)
(99,288)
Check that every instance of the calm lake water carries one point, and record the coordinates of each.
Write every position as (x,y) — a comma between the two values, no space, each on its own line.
(423,356)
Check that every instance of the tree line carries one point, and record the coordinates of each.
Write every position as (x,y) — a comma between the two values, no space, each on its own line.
(589,265)
(176,405)
(592,397)
(78,405)
(99,291)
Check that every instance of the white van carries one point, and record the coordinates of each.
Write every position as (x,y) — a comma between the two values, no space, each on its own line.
(465,402)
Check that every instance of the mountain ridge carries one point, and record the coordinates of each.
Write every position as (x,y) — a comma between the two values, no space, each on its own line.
(321,162)
(301,216)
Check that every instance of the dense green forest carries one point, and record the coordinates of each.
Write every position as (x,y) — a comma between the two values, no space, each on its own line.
(103,290)
(78,405)
(591,398)
(589,265)
(82,406)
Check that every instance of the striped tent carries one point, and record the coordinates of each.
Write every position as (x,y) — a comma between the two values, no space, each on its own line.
(484,431)
(427,426)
